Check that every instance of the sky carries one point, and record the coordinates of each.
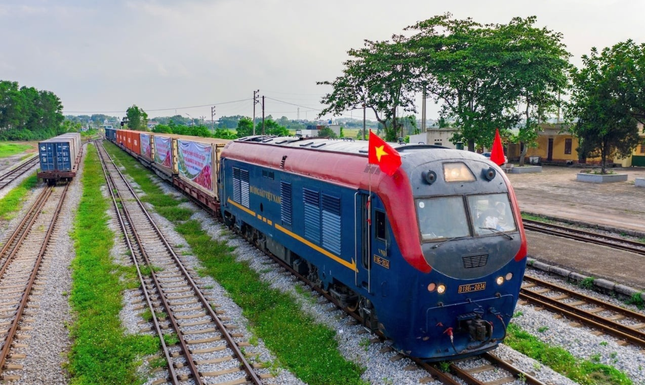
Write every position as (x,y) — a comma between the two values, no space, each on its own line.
(182,57)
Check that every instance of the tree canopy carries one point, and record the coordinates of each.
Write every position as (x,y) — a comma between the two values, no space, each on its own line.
(28,114)
(137,118)
(380,77)
(607,101)
(479,73)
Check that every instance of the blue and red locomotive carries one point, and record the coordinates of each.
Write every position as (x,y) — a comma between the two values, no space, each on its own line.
(433,256)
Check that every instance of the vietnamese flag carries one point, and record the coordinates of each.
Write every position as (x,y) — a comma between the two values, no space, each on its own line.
(382,154)
(497,152)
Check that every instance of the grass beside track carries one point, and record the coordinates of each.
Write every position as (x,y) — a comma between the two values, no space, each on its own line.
(8,149)
(101,353)
(305,347)
(584,372)
(12,202)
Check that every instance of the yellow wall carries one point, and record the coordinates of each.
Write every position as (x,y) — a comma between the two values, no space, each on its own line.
(558,154)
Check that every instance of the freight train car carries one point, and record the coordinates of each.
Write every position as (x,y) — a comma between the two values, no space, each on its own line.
(110,134)
(59,157)
(191,163)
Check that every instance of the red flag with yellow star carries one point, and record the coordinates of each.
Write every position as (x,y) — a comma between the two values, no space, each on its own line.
(382,154)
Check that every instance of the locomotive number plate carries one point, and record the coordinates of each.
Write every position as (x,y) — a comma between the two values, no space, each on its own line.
(472,287)
(381,261)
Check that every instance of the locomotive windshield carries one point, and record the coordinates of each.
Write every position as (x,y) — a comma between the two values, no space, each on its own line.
(445,217)
(491,213)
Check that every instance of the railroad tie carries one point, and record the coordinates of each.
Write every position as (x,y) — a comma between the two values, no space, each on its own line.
(501,381)
(480,369)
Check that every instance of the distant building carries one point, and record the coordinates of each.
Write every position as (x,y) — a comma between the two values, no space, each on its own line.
(307,133)
(437,137)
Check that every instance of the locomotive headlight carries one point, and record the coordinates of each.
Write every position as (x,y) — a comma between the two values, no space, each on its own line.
(509,276)
(432,287)
(441,289)
(499,280)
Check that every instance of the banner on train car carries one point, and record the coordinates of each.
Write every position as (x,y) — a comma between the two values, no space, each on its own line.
(195,161)
(146,150)
(163,151)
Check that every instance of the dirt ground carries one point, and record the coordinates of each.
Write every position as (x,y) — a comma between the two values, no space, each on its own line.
(555,192)
(621,205)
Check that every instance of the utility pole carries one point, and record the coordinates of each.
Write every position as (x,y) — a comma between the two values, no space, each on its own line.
(364,121)
(423,111)
(255,101)
(262,114)
(213,118)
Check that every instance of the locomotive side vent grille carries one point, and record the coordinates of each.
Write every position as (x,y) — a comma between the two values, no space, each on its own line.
(244,179)
(312,215)
(237,195)
(474,261)
(331,223)
(285,199)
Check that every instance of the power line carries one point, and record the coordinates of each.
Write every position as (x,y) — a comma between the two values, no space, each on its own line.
(160,109)
(293,104)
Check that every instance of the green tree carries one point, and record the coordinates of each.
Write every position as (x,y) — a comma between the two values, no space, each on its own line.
(380,77)
(607,101)
(229,121)
(271,127)
(244,127)
(27,113)
(537,64)
(223,133)
(327,132)
(460,62)
(162,129)
(137,118)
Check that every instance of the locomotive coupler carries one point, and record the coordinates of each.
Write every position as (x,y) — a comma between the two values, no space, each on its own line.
(479,329)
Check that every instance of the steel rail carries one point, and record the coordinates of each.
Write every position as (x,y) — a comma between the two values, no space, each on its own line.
(589,300)
(22,230)
(585,236)
(174,377)
(34,273)
(248,368)
(19,170)
(609,327)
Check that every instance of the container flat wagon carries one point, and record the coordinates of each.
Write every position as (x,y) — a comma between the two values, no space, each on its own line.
(59,157)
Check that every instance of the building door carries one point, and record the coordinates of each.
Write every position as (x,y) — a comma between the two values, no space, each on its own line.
(549,154)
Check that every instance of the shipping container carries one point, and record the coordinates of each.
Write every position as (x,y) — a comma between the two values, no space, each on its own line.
(147,146)
(133,141)
(59,157)
(165,154)
(198,162)
(110,134)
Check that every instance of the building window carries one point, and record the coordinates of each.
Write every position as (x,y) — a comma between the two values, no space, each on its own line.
(567,146)
(642,148)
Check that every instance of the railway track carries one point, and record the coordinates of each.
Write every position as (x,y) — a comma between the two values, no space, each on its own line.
(11,175)
(618,322)
(21,258)
(585,236)
(206,351)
